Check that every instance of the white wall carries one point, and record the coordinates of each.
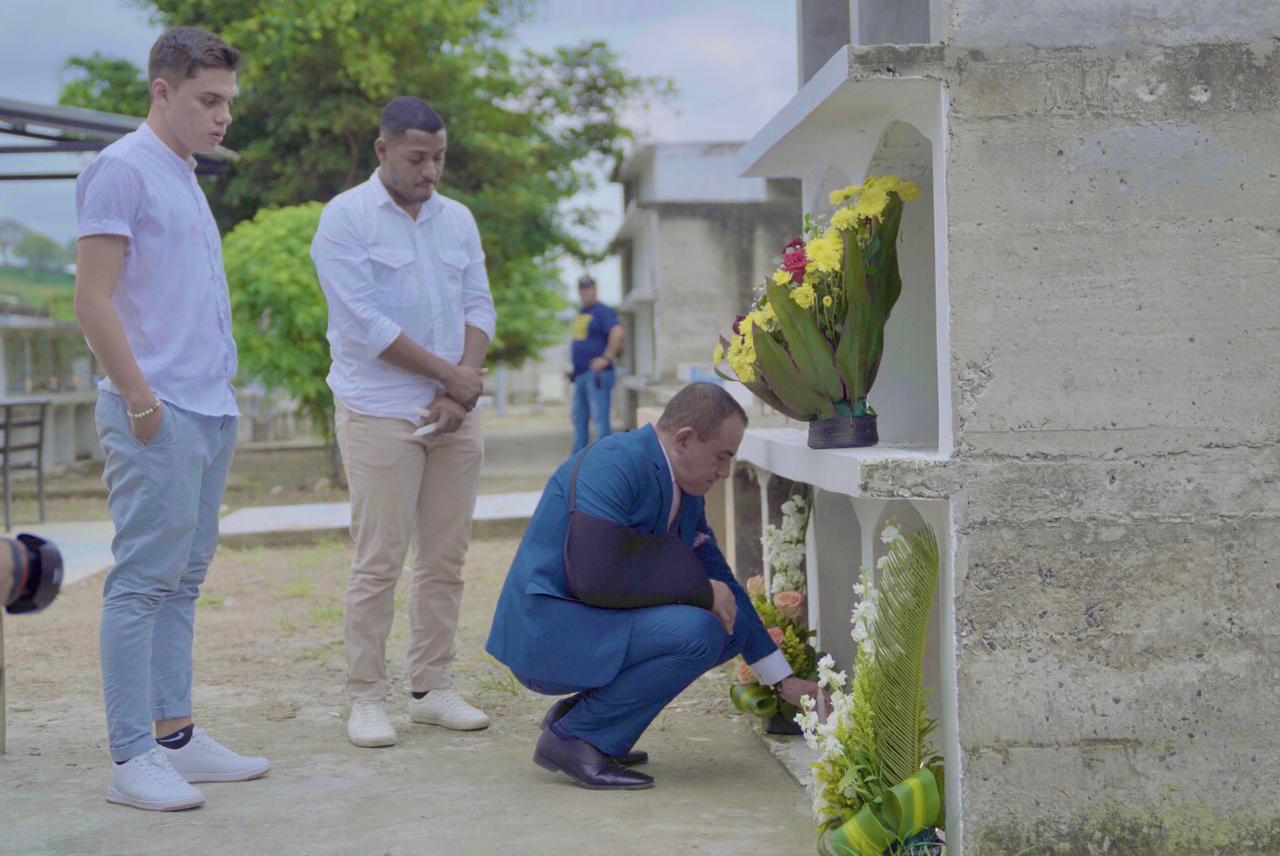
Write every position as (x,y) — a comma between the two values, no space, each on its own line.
(698,172)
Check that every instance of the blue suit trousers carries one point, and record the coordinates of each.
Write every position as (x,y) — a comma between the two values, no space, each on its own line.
(670,648)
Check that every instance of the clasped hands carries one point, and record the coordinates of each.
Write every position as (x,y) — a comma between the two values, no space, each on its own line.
(462,390)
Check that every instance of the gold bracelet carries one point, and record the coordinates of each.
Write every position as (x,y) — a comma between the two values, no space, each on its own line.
(142,414)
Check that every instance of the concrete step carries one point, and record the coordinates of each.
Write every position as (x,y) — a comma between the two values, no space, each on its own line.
(497,515)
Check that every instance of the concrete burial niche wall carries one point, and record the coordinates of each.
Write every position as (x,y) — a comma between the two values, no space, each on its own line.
(844,536)
(905,394)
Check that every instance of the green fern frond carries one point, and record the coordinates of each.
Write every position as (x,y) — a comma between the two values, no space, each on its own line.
(906,590)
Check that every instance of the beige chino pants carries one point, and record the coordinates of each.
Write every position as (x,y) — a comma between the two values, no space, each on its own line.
(406,489)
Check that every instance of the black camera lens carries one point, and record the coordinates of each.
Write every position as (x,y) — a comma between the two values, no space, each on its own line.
(37,574)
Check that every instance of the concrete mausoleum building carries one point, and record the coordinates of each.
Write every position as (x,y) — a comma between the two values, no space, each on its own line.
(1078,393)
(695,239)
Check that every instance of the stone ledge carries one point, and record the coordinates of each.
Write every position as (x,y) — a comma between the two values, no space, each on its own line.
(785,452)
(793,754)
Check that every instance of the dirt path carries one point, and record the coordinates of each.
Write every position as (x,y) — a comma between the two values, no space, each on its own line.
(269,679)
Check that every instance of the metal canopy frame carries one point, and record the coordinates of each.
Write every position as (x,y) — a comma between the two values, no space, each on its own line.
(73,129)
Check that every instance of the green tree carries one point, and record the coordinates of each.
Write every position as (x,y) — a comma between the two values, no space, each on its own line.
(41,252)
(277,308)
(11,234)
(527,131)
(101,82)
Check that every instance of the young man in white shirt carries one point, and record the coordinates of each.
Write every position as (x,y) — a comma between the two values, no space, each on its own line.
(151,297)
(410,322)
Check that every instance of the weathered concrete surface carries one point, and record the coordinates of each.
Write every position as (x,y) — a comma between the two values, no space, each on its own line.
(439,793)
(270,679)
(711,257)
(1114,254)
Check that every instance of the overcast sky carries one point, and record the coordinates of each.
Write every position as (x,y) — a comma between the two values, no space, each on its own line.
(733,61)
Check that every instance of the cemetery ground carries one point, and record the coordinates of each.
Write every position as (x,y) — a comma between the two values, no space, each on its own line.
(269,680)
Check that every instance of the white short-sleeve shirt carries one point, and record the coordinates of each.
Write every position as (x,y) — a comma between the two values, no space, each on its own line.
(384,273)
(172,295)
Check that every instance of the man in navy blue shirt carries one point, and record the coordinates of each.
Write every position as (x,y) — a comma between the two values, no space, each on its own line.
(597,339)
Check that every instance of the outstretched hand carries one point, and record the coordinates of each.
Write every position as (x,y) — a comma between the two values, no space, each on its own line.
(792,689)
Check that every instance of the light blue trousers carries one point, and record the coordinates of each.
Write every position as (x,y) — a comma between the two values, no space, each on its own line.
(164,499)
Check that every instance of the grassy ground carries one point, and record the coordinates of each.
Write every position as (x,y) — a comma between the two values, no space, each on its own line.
(51,292)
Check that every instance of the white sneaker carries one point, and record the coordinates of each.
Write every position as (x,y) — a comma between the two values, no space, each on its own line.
(204,759)
(149,781)
(447,708)
(368,725)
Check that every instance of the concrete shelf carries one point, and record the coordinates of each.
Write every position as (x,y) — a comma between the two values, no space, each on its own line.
(785,452)
(841,127)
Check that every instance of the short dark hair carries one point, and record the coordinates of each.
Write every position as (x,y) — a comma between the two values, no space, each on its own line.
(408,113)
(180,53)
(585,281)
(702,406)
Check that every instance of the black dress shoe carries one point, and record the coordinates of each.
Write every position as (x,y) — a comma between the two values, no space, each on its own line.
(564,705)
(586,764)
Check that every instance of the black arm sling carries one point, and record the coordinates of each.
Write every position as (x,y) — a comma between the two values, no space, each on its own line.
(616,567)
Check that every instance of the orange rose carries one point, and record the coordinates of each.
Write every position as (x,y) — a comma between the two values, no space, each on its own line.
(755,586)
(791,604)
(776,634)
(745,675)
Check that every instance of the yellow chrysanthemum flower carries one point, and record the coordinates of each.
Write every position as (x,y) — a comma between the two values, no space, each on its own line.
(825,253)
(844,194)
(804,296)
(844,219)
(717,356)
(826,301)
(742,353)
(871,204)
(892,184)
(781,277)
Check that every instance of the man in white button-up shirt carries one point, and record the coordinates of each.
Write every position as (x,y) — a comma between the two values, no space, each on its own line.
(151,297)
(410,322)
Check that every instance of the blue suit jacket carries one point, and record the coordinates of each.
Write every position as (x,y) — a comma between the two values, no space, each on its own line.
(540,630)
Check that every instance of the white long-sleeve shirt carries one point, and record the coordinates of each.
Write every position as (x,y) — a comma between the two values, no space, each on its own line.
(384,273)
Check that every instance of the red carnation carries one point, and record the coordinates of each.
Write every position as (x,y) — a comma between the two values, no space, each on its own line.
(794,260)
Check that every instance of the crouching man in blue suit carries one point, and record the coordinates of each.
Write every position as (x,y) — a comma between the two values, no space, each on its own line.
(621,667)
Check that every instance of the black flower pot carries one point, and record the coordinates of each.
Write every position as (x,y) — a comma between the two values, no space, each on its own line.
(784,721)
(843,432)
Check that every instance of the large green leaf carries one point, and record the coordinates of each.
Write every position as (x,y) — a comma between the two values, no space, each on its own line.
(849,350)
(892,286)
(809,348)
(786,381)
(759,389)
(906,590)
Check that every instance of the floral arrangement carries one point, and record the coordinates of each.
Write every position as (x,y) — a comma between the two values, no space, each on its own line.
(784,546)
(879,783)
(783,609)
(811,342)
